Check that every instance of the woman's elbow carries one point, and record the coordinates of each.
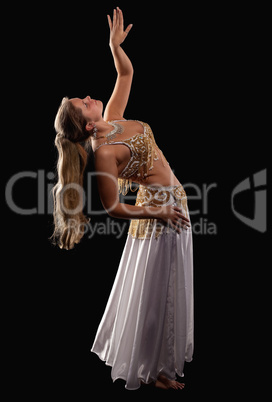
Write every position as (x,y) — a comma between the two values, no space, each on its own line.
(116,211)
(113,213)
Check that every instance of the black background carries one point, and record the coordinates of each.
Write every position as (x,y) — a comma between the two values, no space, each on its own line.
(200,83)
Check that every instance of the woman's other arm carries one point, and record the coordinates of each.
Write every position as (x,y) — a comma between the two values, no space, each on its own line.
(107,178)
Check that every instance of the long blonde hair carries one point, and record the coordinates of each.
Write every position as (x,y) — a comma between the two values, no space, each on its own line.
(69,219)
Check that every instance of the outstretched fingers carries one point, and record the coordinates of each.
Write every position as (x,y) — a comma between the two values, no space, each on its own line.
(179,221)
(120,18)
(113,22)
(109,21)
(118,21)
(128,28)
(114,17)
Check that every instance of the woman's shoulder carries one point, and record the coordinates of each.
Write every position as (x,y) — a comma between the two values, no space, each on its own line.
(106,153)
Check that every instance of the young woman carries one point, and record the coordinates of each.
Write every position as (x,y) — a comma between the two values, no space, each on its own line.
(146,332)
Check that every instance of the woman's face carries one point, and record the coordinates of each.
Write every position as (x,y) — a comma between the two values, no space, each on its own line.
(91,108)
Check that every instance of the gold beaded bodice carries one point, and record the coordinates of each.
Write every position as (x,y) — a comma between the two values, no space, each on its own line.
(144,151)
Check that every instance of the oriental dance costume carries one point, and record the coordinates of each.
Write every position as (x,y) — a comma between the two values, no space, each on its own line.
(147,326)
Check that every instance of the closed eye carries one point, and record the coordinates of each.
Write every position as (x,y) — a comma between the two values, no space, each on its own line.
(85,104)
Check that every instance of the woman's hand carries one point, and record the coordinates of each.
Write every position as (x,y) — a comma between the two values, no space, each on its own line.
(173,217)
(117,33)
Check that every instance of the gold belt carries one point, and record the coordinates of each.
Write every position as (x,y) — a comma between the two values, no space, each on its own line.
(149,196)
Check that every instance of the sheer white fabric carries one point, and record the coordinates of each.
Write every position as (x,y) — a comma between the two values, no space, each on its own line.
(147,326)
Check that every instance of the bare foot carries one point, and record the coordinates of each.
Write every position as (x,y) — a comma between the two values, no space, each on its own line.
(164,383)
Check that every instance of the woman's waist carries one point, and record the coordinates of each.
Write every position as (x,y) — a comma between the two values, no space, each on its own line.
(157,196)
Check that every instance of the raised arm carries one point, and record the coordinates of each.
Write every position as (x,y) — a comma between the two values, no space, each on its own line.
(119,98)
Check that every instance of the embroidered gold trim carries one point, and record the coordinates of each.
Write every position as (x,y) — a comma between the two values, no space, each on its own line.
(156,197)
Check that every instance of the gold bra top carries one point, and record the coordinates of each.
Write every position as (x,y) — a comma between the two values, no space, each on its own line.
(143,151)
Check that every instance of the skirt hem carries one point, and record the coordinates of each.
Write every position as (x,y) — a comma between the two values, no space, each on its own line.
(140,379)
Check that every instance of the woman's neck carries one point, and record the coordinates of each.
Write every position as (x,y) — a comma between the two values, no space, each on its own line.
(103,128)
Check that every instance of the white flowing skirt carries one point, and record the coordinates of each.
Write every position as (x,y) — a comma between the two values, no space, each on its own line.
(147,326)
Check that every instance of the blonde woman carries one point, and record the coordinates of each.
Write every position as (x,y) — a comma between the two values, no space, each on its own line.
(146,332)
